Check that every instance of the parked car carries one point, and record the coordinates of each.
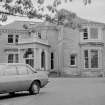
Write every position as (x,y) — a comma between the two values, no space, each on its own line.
(21,77)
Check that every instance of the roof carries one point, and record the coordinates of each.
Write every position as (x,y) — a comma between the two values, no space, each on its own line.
(85,21)
(19,25)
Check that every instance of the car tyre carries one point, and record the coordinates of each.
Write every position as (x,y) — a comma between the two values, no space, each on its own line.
(35,88)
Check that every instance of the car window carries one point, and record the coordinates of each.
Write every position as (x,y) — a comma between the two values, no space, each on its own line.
(29,70)
(2,67)
(22,70)
(10,70)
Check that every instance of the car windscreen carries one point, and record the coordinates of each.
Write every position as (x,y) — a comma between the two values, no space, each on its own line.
(31,69)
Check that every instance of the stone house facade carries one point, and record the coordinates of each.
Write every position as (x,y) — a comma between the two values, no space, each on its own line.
(67,51)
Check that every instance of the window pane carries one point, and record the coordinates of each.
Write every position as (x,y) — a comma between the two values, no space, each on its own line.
(10,58)
(16,38)
(43,59)
(52,60)
(10,70)
(72,62)
(10,38)
(86,59)
(22,70)
(39,35)
(94,33)
(85,33)
(94,59)
(16,58)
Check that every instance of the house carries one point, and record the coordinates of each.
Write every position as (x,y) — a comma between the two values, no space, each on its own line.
(61,49)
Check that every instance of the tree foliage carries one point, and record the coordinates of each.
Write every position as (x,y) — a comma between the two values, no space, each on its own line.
(37,9)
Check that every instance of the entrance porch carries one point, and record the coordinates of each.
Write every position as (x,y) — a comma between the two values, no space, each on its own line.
(35,55)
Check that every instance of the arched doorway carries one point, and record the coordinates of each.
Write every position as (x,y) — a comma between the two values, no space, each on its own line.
(43,60)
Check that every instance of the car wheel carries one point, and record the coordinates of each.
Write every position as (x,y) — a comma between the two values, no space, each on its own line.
(12,93)
(35,88)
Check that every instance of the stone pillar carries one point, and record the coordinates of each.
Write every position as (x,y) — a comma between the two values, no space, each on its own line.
(35,58)
(21,54)
(46,60)
(39,58)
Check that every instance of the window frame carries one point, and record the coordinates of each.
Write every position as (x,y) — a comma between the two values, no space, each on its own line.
(10,60)
(10,38)
(90,58)
(14,60)
(85,32)
(88,32)
(95,34)
(52,60)
(75,58)
(86,58)
(96,65)
(16,39)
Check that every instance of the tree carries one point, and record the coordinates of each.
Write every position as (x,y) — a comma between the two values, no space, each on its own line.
(36,9)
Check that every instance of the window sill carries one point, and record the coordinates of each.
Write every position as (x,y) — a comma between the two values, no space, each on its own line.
(73,66)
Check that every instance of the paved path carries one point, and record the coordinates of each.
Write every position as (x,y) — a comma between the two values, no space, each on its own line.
(63,91)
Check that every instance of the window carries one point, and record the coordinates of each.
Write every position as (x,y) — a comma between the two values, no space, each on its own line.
(39,35)
(43,59)
(91,58)
(85,33)
(86,59)
(16,39)
(94,59)
(10,38)
(10,58)
(94,33)
(52,60)
(73,59)
(16,58)
(13,58)
(10,70)
(22,70)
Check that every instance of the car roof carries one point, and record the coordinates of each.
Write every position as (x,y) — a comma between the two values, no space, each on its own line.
(7,64)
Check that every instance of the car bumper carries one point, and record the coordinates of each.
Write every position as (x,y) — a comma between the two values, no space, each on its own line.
(45,82)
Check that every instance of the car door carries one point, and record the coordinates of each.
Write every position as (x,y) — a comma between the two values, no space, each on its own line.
(8,81)
(2,79)
(23,77)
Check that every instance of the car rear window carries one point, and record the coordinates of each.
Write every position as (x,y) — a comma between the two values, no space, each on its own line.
(2,67)
(10,70)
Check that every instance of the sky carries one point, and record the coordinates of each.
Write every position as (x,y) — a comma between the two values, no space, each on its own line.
(94,11)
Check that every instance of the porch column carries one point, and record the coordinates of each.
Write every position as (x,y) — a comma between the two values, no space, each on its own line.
(46,60)
(21,54)
(38,57)
(35,59)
